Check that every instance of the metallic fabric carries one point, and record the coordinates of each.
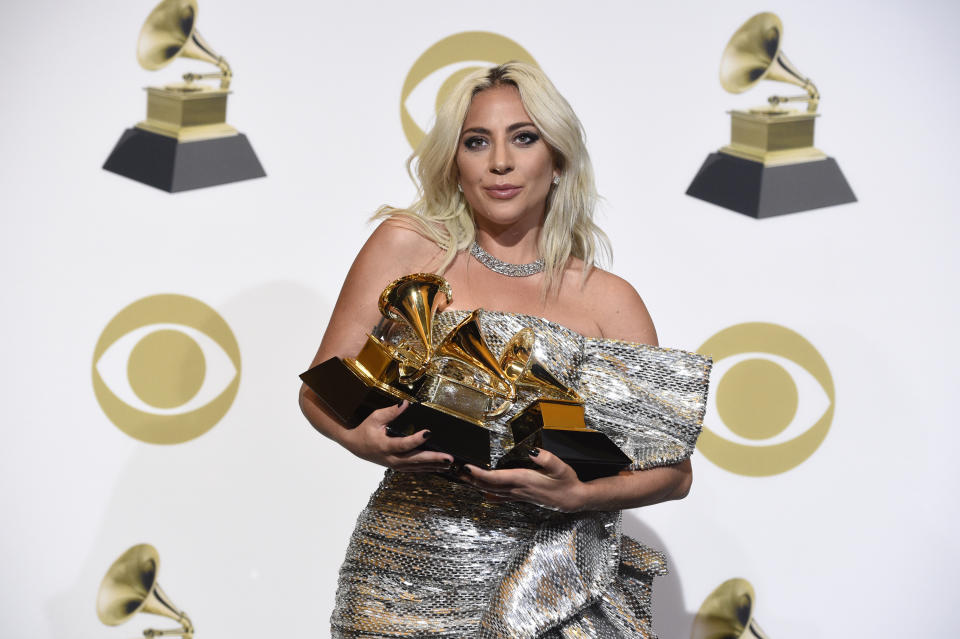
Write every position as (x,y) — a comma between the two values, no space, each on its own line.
(431,558)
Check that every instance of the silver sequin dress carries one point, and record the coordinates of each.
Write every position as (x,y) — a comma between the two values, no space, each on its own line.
(431,558)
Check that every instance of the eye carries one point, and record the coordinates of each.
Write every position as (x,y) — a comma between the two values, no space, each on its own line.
(166,369)
(526,138)
(772,403)
(475,143)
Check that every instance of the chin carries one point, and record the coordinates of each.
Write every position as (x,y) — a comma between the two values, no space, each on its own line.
(506,214)
(499,219)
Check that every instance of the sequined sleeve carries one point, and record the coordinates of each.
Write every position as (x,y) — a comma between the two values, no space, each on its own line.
(650,401)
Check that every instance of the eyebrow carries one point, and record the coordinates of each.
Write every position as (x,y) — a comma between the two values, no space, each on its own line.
(510,129)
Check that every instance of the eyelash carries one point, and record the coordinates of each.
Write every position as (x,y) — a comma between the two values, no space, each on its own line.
(530,135)
(529,138)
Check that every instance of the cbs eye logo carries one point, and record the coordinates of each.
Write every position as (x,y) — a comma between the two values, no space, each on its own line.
(166,369)
(442,67)
(773,386)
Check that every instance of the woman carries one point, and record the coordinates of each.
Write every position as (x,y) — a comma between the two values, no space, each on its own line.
(505,214)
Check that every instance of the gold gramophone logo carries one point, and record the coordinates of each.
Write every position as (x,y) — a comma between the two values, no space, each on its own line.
(762,427)
(449,61)
(771,166)
(166,369)
(185,142)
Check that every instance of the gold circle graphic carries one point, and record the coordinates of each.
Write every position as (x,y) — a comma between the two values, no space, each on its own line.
(460,47)
(759,400)
(166,369)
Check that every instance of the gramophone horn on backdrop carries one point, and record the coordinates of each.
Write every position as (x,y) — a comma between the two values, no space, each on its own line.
(727,613)
(754,53)
(170,32)
(130,587)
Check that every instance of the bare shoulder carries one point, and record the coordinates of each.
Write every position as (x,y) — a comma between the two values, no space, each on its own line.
(394,249)
(399,240)
(619,310)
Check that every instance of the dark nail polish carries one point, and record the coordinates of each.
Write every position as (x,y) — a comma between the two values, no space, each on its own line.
(534,452)
(426,434)
(466,471)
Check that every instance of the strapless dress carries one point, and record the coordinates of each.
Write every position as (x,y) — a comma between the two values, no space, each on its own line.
(430,557)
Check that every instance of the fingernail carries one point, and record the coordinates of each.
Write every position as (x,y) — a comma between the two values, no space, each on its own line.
(466,471)
(534,452)
(426,434)
(400,403)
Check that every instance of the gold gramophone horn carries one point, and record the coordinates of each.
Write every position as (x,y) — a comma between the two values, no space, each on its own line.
(754,53)
(169,32)
(464,343)
(523,369)
(130,586)
(727,613)
(412,299)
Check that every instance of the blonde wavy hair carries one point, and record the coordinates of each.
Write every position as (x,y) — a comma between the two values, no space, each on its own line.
(441,212)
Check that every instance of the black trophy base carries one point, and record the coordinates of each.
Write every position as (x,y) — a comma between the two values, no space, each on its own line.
(344,394)
(590,453)
(170,165)
(762,191)
(466,442)
(351,400)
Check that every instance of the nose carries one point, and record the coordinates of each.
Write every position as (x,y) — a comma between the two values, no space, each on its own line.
(501,160)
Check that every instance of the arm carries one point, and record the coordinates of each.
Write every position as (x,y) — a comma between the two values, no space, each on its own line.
(384,257)
(556,484)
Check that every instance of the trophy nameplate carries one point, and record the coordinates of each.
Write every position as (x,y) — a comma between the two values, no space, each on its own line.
(464,400)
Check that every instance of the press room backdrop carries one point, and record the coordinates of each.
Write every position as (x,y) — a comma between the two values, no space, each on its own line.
(853,308)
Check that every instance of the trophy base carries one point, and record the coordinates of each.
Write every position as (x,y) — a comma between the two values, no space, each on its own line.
(590,453)
(351,398)
(342,391)
(465,441)
(171,165)
(760,191)
(558,426)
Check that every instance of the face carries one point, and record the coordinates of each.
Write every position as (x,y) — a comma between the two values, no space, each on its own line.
(506,169)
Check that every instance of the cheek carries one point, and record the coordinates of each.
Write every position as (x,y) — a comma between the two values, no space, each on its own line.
(546,165)
(467,168)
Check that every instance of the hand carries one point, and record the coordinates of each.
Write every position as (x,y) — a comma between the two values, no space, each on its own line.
(553,485)
(369,440)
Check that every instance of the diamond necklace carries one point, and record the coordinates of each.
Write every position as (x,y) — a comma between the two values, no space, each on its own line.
(505,268)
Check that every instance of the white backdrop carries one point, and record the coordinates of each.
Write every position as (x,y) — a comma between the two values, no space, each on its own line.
(252,518)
